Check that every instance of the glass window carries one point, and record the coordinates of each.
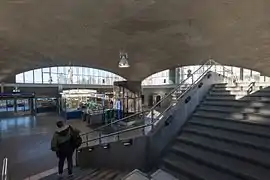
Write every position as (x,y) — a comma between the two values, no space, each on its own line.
(247,74)
(28,76)
(62,78)
(75,79)
(19,78)
(3,105)
(38,76)
(54,70)
(54,78)
(84,71)
(73,75)
(80,70)
(46,78)
(60,70)
(46,69)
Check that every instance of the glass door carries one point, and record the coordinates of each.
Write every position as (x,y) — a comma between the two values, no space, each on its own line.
(23,105)
(3,105)
(10,105)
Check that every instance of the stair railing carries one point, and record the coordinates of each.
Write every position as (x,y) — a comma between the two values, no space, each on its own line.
(146,120)
(4,172)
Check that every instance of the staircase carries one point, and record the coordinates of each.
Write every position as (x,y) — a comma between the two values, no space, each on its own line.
(91,174)
(227,138)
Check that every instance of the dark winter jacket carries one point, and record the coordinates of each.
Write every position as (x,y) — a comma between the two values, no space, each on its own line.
(61,141)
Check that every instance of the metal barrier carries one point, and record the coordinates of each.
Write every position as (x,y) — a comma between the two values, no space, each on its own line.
(4,174)
(143,122)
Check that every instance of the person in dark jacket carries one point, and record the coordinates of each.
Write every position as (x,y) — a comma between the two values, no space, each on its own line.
(62,144)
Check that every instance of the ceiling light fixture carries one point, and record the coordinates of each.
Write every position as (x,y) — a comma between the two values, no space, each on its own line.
(123,63)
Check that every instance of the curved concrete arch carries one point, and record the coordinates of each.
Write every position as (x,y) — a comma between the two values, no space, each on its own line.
(156,34)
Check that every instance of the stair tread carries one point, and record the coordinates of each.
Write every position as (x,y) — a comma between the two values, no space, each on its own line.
(232,110)
(244,127)
(226,163)
(179,176)
(251,117)
(251,154)
(195,170)
(259,142)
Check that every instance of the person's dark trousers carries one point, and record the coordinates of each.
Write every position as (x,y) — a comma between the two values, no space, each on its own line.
(62,157)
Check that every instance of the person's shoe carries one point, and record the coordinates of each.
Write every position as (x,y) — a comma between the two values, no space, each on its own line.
(60,176)
(70,175)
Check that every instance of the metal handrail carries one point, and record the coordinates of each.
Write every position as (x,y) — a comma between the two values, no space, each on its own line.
(153,107)
(210,63)
(4,174)
(141,126)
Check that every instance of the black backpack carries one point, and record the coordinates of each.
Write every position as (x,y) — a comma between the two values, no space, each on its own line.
(76,139)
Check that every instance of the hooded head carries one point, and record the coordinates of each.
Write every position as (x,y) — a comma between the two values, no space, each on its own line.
(62,128)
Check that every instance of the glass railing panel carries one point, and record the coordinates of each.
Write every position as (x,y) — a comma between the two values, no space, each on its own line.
(143,122)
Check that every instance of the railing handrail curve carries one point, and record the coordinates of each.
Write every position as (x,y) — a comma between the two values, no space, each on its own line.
(145,125)
(209,62)
(4,173)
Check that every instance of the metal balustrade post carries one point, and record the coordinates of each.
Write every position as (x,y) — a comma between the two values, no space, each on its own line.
(4,175)
(152,118)
(87,140)
(99,137)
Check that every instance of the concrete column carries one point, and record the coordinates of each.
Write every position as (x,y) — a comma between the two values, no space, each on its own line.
(15,104)
(241,74)
(172,75)
(177,75)
(133,102)
(2,87)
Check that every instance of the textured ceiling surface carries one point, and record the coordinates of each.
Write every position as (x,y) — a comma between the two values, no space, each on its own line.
(157,34)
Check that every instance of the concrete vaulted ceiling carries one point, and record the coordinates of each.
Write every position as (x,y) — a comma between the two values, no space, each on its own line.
(157,34)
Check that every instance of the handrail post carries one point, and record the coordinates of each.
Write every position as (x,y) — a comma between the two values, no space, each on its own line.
(87,140)
(152,118)
(99,137)
(4,175)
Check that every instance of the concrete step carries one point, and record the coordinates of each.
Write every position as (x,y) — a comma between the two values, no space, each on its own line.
(232,117)
(251,155)
(93,174)
(240,93)
(257,84)
(246,113)
(226,164)
(256,142)
(176,175)
(232,97)
(235,103)
(252,97)
(264,111)
(237,89)
(221,108)
(196,171)
(247,128)
(161,174)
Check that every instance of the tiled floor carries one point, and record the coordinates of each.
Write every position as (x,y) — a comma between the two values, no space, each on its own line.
(25,141)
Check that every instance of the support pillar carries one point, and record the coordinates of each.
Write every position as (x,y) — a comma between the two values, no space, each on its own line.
(241,74)
(127,97)
(177,75)
(172,76)
(15,104)
(2,87)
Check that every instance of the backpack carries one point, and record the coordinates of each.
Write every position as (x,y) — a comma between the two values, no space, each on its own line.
(76,139)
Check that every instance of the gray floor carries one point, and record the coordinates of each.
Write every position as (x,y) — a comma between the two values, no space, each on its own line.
(26,143)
